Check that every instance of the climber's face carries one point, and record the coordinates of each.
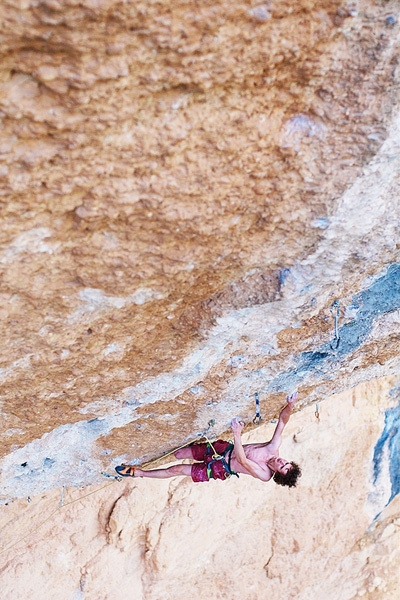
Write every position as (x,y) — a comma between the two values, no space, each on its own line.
(279,465)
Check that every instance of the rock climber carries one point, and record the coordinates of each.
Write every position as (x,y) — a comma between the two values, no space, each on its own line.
(221,459)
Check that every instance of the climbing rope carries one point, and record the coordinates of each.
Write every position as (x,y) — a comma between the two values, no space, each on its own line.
(61,504)
(202,434)
(336,308)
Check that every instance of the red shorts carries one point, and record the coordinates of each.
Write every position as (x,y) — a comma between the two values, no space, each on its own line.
(199,470)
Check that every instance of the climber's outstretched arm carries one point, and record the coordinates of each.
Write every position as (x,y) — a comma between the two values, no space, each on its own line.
(284,417)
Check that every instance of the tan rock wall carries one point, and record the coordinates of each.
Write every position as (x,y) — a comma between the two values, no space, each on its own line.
(185,191)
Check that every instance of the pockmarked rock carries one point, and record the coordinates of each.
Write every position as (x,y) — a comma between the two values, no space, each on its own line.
(198,204)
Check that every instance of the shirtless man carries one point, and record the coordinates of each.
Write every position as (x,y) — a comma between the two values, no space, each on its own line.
(220,459)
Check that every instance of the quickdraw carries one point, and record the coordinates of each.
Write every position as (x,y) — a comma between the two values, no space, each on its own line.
(336,306)
(257,417)
(116,477)
(61,503)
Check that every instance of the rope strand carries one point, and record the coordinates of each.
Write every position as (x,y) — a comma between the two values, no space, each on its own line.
(63,504)
(59,507)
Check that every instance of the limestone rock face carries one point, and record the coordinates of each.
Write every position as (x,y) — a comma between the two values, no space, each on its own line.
(199,202)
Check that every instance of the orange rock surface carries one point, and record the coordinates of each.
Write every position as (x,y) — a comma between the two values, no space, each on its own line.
(199,202)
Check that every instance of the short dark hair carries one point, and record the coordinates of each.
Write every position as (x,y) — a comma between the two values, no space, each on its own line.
(291,477)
